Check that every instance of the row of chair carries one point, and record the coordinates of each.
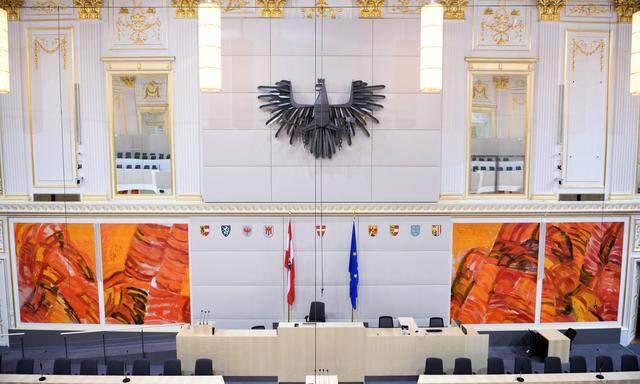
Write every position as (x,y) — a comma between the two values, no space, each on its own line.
(522,365)
(141,367)
(143,156)
(387,322)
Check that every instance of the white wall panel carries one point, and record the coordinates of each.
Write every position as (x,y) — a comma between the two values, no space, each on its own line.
(406,148)
(293,184)
(384,267)
(244,73)
(335,31)
(236,147)
(233,268)
(231,111)
(396,37)
(234,184)
(245,36)
(405,183)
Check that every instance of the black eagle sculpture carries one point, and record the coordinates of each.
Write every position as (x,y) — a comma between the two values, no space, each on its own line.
(321,126)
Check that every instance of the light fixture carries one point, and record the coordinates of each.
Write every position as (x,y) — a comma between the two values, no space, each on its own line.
(4,52)
(634,85)
(431,20)
(210,46)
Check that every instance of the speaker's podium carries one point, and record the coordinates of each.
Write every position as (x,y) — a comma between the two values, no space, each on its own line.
(348,350)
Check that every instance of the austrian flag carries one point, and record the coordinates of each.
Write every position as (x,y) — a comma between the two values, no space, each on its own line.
(290,266)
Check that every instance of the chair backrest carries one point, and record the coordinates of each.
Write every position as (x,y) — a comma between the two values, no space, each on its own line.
(115,368)
(577,364)
(462,366)
(552,364)
(141,367)
(604,364)
(316,311)
(258,327)
(24,367)
(385,322)
(628,363)
(172,367)
(522,365)
(571,333)
(436,322)
(433,366)
(204,367)
(495,366)
(89,367)
(62,367)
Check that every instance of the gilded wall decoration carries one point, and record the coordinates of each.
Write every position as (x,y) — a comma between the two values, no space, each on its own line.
(406,6)
(321,10)
(12,7)
(549,10)
(271,8)
(50,45)
(88,9)
(587,48)
(234,5)
(501,26)
(150,89)
(135,24)
(48,10)
(479,91)
(501,82)
(454,9)
(370,9)
(625,9)
(585,10)
(185,9)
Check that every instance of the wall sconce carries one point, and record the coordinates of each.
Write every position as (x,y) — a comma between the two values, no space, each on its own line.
(431,22)
(634,85)
(210,46)
(4,52)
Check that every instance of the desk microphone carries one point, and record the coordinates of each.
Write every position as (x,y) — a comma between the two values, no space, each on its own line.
(600,376)
(520,379)
(201,318)
(42,378)
(126,377)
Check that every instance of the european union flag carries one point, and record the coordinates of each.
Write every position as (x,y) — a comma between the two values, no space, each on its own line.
(353,269)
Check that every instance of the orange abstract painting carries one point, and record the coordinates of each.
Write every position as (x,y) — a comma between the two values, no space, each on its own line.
(146,273)
(56,270)
(582,264)
(494,272)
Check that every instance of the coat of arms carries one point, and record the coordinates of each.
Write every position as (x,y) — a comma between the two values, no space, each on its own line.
(394,229)
(225,230)
(415,230)
(247,230)
(373,230)
(436,230)
(204,230)
(321,229)
(268,231)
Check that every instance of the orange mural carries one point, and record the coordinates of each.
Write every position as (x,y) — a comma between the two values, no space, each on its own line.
(582,265)
(146,273)
(56,269)
(494,272)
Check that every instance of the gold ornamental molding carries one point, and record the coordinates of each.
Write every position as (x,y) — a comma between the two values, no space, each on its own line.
(88,9)
(271,8)
(549,10)
(185,9)
(12,7)
(321,10)
(625,9)
(370,9)
(454,9)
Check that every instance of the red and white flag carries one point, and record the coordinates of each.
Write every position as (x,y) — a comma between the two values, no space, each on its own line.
(290,266)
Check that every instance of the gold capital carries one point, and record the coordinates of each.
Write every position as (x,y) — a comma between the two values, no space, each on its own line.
(454,9)
(549,10)
(625,9)
(88,9)
(185,9)
(12,7)
(271,8)
(370,9)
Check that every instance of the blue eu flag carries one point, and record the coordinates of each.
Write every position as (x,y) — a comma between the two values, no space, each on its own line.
(353,269)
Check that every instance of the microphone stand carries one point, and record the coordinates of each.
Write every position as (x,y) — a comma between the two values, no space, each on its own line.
(600,376)
(520,379)
(42,377)
(126,377)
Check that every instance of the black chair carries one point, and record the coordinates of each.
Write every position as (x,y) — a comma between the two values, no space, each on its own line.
(204,367)
(571,334)
(258,327)
(115,368)
(628,363)
(89,367)
(385,322)
(141,367)
(433,366)
(577,364)
(522,365)
(436,322)
(495,366)
(462,366)
(24,367)
(62,367)
(316,312)
(127,155)
(604,364)
(552,364)
(172,367)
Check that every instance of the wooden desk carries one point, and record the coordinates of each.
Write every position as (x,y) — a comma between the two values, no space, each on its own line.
(563,378)
(73,379)
(348,350)
(559,344)
(321,379)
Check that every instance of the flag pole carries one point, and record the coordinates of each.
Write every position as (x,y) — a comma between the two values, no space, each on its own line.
(352,310)
(289,305)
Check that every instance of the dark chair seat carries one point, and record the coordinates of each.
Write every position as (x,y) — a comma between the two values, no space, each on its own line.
(604,364)
(522,365)
(628,363)
(462,366)
(385,322)
(577,364)
(433,366)
(436,322)
(89,367)
(204,367)
(316,312)
(258,327)
(141,367)
(552,364)
(115,368)
(495,366)
(24,367)
(571,335)
(172,367)
(62,367)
